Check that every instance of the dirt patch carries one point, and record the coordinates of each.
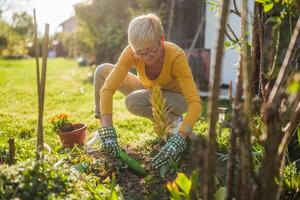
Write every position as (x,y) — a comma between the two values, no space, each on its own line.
(153,185)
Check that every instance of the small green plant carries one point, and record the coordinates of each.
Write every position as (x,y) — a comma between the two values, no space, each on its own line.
(189,188)
(257,154)
(4,156)
(161,111)
(223,141)
(109,189)
(292,177)
(184,187)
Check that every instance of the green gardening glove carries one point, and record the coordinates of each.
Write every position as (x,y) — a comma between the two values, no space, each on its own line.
(170,152)
(109,141)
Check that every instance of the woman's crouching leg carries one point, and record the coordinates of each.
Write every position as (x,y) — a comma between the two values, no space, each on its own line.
(101,73)
(138,103)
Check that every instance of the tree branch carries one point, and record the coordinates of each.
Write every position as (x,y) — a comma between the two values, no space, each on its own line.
(262,81)
(284,68)
(209,189)
(236,9)
(289,130)
(234,12)
(230,38)
(245,145)
(234,35)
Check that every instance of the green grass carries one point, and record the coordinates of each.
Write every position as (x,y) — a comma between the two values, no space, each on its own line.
(68,90)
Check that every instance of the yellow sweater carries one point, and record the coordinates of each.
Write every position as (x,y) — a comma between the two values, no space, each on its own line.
(175,76)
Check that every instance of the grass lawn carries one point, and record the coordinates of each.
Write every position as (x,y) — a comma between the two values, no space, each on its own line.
(68,90)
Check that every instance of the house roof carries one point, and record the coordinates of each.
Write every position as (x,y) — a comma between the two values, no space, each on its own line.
(67,20)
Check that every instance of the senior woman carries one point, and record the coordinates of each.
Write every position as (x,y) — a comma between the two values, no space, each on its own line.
(156,62)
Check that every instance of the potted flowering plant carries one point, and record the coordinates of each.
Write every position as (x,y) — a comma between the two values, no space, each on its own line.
(70,133)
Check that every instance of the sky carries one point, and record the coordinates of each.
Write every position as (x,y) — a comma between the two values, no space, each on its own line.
(52,12)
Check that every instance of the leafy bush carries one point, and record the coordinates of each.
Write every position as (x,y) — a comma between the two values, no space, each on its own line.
(184,187)
(223,141)
(11,42)
(4,155)
(292,177)
(49,180)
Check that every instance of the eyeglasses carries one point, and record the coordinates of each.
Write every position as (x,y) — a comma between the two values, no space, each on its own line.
(149,53)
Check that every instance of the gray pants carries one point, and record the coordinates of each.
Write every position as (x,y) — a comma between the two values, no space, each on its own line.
(137,97)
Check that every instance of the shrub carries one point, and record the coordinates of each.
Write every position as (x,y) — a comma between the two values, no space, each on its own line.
(49,180)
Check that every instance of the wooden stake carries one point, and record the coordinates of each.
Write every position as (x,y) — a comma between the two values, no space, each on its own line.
(11,143)
(36,47)
(40,137)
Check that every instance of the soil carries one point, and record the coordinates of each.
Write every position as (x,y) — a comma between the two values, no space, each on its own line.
(71,127)
(153,185)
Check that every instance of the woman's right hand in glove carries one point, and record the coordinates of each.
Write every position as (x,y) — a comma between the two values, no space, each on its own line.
(109,140)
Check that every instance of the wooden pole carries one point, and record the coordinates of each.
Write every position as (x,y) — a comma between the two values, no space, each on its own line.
(36,47)
(11,143)
(40,138)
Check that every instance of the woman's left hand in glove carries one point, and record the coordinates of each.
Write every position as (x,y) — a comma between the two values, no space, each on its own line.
(170,152)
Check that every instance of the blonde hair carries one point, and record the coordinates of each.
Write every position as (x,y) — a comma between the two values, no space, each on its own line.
(143,30)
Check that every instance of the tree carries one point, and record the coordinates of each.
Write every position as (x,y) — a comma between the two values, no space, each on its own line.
(102,25)
(105,23)
(22,24)
(14,37)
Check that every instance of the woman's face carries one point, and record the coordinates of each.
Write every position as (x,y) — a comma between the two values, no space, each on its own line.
(151,54)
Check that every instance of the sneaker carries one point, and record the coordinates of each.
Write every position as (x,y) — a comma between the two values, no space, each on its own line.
(176,125)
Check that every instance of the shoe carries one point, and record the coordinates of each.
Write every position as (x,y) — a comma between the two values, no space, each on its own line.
(176,125)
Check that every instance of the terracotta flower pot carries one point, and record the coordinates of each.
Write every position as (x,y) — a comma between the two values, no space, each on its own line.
(77,136)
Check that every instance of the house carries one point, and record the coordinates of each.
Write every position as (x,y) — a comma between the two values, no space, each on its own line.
(194,20)
(231,56)
(69,25)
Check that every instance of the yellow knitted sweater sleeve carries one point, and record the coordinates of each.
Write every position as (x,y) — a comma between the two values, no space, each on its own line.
(181,71)
(114,80)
